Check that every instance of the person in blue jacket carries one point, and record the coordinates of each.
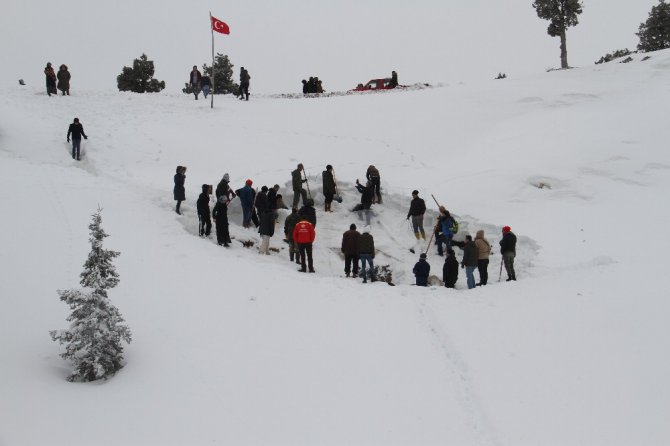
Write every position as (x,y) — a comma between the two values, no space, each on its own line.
(246,195)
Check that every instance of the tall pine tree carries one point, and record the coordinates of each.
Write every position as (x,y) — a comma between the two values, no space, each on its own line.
(223,75)
(654,34)
(93,341)
(562,14)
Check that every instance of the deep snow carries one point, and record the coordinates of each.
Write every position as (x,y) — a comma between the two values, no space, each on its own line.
(231,347)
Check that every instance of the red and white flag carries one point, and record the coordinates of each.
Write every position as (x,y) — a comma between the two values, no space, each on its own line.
(220,26)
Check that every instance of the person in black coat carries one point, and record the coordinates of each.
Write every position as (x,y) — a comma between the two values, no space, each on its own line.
(450,269)
(179,190)
(220,216)
(261,202)
(366,201)
(329,187)
(267,230)
(223,188)
(307,212)
(77,131)
(421,271)
(205,228)
(508,251)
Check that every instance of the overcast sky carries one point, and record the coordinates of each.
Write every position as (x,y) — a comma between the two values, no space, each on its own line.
(344,42)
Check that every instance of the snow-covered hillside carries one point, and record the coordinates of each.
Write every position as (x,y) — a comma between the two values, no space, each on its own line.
(231,347)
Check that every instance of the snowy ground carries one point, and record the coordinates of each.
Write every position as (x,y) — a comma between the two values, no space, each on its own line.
(231,347)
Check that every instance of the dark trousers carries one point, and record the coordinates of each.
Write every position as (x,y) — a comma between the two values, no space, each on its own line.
(443,239)
(482,266)
(348,260)
(222,234)
(244,90)
(76,145)
(305,249)
(205,225)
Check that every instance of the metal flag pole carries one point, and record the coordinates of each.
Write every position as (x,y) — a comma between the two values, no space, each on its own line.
(211,27)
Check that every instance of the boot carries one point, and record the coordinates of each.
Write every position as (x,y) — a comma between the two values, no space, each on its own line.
(417,235)
(423,235)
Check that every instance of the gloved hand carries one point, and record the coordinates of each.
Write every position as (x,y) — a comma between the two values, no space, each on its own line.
(68,140)
(85,137)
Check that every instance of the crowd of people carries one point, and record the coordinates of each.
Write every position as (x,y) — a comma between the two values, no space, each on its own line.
(260,209)
(313,85)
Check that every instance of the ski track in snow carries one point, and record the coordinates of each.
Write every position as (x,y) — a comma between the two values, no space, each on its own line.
(459,374)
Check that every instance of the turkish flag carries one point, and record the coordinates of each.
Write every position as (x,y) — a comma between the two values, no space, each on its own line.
(219,26)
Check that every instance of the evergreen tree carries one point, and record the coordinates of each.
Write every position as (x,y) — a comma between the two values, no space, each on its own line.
(93,341)
(654,34)
(223,75)
(562,15)
(139,78)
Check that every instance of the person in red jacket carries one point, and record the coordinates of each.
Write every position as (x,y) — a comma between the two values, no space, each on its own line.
(303,236)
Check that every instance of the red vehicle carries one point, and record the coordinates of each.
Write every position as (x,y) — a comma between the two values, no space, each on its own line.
(375,84)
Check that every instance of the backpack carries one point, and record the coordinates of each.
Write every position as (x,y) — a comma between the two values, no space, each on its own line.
(454,226)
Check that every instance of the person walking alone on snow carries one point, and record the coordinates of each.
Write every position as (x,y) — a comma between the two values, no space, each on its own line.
(77,131)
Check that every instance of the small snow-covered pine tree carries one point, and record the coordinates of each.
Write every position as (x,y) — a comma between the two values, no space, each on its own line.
(93,341)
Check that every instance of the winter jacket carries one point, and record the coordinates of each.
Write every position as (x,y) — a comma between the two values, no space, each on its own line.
(421,271)
(63,79)
(372,173)
(483,245)
(205,80)
(246,195)
(267,226)
(508,243)
(297,180)
(203,205)
(416,207)
(261,202)
(366,195)
(244,77)
(470,254)
(446,223)
(308,213)
(50,76)
(289,225)
(179,191)
(350,242)
(303,232)
(272,199)
(224,189)
(77,130)
(328,182)
(366,244)
(195,77)
(450,270)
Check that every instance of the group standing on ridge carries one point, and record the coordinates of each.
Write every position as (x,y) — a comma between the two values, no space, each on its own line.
(260,209)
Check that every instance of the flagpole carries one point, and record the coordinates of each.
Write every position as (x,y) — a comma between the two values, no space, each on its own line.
(212,78)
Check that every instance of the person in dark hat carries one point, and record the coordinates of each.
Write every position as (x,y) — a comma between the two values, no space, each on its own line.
(51,79)
(508,251)
(220,216)
(417,209)
(421,271)
(63,76)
